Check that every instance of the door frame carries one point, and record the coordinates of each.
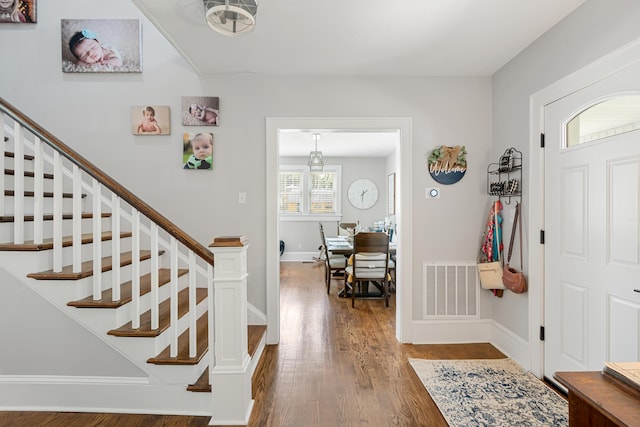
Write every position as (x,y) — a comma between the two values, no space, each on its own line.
(403,210)
(586,76)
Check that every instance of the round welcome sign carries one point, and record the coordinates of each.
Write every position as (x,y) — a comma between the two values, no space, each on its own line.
(447,165)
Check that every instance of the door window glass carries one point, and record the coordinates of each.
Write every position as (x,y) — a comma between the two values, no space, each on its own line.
(611,117)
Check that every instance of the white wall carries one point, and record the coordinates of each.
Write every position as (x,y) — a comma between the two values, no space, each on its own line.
(593,30)
(90,112)
(57,346)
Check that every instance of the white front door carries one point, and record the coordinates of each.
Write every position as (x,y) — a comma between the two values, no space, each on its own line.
(592,236)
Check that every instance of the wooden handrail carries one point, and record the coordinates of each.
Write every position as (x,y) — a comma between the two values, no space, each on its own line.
(107,181)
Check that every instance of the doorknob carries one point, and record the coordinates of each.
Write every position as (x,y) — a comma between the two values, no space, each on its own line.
(636,290)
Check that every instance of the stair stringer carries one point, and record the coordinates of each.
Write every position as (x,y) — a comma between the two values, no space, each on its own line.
(88,393)
(99,321)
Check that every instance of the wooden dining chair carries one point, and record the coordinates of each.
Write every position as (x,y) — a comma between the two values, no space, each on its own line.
(333,264)
(369,263)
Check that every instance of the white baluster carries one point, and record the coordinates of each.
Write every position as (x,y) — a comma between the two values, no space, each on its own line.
(18,184)
(97,239)
(3,148)
(77,219)
(57,212)
(174,298)
(155,298)
(192,305)
(38,189)
(115,247)
(135,269)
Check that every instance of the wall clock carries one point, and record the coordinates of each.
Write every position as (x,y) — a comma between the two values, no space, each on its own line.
(363,193)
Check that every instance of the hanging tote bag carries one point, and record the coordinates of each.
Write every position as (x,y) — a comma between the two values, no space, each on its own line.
(512,278)
(490,263)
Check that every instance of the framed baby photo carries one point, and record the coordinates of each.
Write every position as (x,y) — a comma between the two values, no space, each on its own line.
(197,150)
(200,110)
(101,45)
(150,120)
(18,11)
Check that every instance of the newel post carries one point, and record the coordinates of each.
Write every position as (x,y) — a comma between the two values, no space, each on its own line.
(230,373)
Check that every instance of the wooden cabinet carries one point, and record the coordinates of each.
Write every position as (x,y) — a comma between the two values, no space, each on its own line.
(596,399)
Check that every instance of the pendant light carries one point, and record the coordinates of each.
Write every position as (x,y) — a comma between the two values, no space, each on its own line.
(316,164)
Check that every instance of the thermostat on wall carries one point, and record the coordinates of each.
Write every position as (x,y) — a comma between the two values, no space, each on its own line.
(432,193)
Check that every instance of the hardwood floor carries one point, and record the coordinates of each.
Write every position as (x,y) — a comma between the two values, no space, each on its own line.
(335,366)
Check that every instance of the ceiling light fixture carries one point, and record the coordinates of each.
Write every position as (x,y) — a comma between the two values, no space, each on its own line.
(316,164)
(231,17)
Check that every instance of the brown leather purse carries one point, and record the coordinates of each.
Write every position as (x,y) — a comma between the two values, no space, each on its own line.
(513,279)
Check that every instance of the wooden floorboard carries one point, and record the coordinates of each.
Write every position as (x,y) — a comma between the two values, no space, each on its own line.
(335,366)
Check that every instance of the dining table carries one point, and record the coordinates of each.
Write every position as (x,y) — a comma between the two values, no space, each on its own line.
(343,245)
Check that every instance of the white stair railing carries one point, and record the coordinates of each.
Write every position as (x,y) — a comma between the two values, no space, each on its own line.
(226,312)
(102,196)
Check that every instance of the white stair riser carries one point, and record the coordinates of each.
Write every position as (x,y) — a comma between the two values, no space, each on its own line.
(47,184)
(47,205)
(7,228)
(43,260)
(122,314)
(183,323)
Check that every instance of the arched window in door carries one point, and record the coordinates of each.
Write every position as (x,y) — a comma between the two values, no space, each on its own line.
(613,116)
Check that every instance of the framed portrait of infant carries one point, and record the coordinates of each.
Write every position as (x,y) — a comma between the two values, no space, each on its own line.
(101,46)
(18,11)
(200,111)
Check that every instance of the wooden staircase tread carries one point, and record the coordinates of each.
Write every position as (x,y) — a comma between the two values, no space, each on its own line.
(28,173)
(86,268)
(47,194)
(164,358)
(47,244)
(164,277)
(164,316)
(11,154)
(49,217)
(202,383)
(255,334)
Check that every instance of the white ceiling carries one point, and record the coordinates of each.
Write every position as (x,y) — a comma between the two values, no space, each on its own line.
(339,143)
(359,38)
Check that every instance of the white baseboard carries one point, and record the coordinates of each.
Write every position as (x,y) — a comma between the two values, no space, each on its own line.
(451,331)
(255,316)
(73,396)
(511,345)
(473,331)
(298,256)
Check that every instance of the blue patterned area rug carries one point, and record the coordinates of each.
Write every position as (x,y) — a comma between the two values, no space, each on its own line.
(490,392)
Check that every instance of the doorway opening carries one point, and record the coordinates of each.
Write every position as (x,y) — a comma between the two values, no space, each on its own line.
(402,126)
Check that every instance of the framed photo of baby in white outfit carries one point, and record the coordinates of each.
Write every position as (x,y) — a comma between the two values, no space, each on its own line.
(200,111)
(101,46)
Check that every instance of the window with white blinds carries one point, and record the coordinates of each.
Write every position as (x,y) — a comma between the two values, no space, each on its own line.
(309,194)
(323,193)
(291,183)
